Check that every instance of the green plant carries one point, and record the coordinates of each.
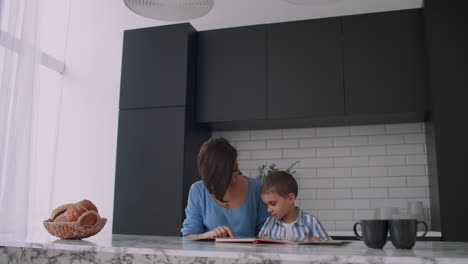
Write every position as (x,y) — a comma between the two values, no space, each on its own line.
(263,170)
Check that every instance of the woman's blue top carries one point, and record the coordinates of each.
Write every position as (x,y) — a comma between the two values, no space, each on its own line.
(204,214)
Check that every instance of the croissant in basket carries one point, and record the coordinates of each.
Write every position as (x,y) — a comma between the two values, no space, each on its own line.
(75,221)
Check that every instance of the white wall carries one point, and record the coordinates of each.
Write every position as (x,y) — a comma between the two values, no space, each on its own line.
(86,150)
(344,172)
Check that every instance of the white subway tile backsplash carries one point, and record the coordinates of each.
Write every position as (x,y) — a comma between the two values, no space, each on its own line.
(387,161)
(300,153)
(332,131)
(369,150)
(406,149)
(418,181)
(370,193)
(416,159)
(267,154)
(343,172)
(307,194)
(299,133)
(305,173)
(333,193)
(369,172)
(335,214)
(283,143)
(388,182)
(353,204)
(415,138)
(344,225)
(410,170)
(404,128)
(317,163)
(316,142)
(284,163)
(397,203)
(317,204)
(317,183)
(250,164)
(351,162)
(351,182)
(363,214)
(334,152)
(350,141)
(368,130)
(249,145)
(414,192)
(386,139)
(333,172)
(328,225)
(266,134)
(243,155)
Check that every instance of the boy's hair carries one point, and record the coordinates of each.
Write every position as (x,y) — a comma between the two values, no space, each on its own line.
(280,182)
(216,163)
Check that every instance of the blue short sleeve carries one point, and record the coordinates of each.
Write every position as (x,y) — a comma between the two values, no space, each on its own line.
(193,223)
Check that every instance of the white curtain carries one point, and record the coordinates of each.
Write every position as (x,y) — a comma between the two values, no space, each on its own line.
(22,202)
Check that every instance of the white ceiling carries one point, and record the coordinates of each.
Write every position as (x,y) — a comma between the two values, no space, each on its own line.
(234,13)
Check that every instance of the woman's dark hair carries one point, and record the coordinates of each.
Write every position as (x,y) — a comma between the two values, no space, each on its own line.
(280,182)
(216,162)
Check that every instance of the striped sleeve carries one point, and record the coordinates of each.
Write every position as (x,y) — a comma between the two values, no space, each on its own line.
(267,227)
(318,229)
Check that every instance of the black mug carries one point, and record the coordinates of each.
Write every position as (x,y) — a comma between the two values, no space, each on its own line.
(403,232)
(374,232)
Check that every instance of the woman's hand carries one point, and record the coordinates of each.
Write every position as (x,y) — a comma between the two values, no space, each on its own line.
(220,231)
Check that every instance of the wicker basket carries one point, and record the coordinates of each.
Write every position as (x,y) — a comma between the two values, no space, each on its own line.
(73,230)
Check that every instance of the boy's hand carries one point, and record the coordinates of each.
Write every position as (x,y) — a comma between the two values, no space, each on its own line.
(220,231)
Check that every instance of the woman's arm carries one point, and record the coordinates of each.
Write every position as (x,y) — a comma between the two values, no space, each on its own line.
(193,226)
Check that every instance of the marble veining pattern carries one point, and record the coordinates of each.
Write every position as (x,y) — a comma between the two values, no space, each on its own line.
(126,249)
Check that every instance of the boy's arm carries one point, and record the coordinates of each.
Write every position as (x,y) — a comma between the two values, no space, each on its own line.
(266,228)
(319,231)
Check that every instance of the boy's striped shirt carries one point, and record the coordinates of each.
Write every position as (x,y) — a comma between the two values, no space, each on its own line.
(305,226)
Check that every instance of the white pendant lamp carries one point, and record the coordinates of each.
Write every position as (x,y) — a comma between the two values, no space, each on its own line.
(170,10)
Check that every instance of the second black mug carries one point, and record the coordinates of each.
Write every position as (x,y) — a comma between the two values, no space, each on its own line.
(403,232)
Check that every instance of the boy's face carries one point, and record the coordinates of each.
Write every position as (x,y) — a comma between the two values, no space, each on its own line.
(279,206)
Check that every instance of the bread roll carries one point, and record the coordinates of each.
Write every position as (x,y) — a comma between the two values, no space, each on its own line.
(61,218)
(74,211)
(89,218)
(59,210)
(88,205)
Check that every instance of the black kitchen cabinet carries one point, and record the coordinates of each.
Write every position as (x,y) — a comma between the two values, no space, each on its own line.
(154,66)
(384,63)
(158,137)
(231,74)
(148,187)
(446,25)
(305,71)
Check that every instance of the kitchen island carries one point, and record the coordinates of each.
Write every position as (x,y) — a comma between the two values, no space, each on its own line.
(130,249)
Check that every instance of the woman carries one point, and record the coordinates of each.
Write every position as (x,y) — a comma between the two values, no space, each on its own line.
(223,203)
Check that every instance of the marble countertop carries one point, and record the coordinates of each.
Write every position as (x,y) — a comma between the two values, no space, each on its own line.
(151,249)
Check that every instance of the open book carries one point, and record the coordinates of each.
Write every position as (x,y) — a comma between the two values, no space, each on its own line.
(295,241)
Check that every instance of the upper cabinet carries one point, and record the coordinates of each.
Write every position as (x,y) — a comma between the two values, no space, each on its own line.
(384,63)
(231,74)
(305,71)
(153,61)
(334,71)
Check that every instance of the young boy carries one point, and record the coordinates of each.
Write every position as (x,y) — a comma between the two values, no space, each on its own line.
(279,192)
